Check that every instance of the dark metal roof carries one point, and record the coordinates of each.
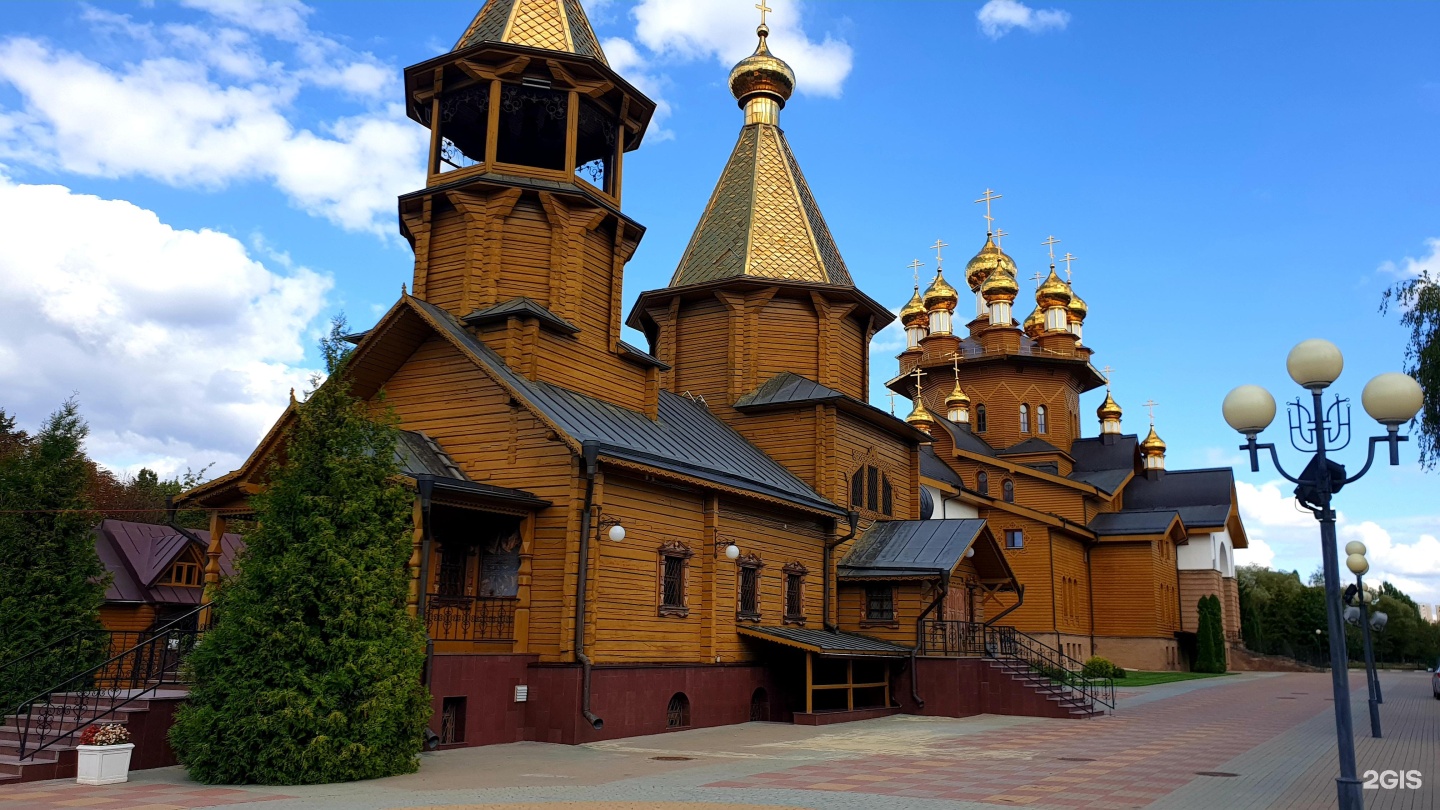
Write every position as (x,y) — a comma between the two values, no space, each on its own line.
(1211,487)
(1031,445)
(898,548)
(1104,480)
(685,438)
(136,554)
(521,307)
(1112,524)
(787,388)
(1103,466)
(826,642)
(965,439)
(932,467)
(418,454)
(644,356)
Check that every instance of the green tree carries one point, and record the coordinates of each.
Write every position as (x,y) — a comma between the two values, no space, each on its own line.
(51,581)
(313,671)
(1207,657)
(1217,632)
(1418,301)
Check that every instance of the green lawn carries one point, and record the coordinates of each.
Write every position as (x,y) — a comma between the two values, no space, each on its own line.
(1133,678)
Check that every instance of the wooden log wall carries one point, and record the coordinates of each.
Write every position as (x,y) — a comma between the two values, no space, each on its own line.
(910,599)
(1127,593)
(127,618)
(1001,388)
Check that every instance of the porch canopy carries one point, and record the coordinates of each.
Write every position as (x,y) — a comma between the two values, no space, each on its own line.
(924,549)
(843,671)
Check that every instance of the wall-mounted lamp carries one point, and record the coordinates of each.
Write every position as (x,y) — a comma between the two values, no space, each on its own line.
(732,551)
(970,552)
(611,528)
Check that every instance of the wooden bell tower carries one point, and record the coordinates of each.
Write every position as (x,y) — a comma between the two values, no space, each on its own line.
(518,232)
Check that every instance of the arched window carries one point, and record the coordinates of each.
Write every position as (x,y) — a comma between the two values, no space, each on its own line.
(677,714)
(1024,418)
(871,489)
(1007,490)
(982,482)
(759,706)
(1040,425)
(857,488)
(980,418)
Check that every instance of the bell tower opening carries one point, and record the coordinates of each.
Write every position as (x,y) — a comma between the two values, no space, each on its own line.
(595,145)
(534,118)
(464,127)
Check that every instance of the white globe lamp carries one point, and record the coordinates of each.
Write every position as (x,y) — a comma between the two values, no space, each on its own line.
(1392,399)
(732,552)
(1249,409)
(616,533)
(1315,363)
(1357,564)
(1354,547)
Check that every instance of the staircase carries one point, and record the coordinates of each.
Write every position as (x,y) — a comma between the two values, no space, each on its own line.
(139,687)
(1049,698)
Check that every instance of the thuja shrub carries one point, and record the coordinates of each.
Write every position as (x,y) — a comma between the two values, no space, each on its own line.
(312,673)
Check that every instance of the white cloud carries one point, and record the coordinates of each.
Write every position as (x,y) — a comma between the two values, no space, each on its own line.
(180,346)
(1284,536)
(205,108)
(999,17)
(1410,267)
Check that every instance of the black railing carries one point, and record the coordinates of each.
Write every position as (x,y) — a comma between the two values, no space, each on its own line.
(470,618)
(1060,669)
(59,713)
(944,637)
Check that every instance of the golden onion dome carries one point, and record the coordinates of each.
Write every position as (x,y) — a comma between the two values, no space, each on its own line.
(1078,309)
(920,417)
(1000,286)
(1035,324)
(762,74)
(1152,446)
(1052,292)
(1109,409)
(940,295)
(913,313)
(988,260)
(957,398)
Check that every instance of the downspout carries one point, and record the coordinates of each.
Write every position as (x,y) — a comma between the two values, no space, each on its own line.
(915,651)
(854,520)
(425,485)
(589,451)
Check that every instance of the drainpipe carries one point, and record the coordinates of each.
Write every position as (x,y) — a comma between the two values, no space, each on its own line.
(589,450)
(853,518)
(1020,600)
(914,651)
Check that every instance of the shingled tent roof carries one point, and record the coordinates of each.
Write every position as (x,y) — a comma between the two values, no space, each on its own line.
(555,25)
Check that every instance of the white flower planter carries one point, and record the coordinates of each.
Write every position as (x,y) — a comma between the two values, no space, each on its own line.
(103,764)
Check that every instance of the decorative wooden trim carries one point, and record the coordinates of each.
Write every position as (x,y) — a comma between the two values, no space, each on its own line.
(669,550)
(792,569)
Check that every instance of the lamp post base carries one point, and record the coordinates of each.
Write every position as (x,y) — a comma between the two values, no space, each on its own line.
(1350,793)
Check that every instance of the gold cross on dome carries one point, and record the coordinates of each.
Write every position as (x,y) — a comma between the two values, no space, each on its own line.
(1067,258)
(1037,278)
(1107,371)
(1051,243)
(937,246)
(955,361)
(892,395)
(764,9)
(999,234)
(915,268)
(917,374)
(986,198)
(1151,405)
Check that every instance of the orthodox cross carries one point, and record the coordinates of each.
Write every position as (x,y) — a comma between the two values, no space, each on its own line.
(915,268)
(999,233)
(1051,243)
(955,361)
(1107,371)
(891,395)
(938,244)
(1151,405)
(1067,258)
(764,9)
(1037,278)
(989,220)
(917,374)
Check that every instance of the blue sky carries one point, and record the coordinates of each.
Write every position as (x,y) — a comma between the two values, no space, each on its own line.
(191,189)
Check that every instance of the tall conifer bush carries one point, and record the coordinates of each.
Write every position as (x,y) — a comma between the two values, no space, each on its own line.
(1217,631)
(1209,636)
(51,581)
(313,671)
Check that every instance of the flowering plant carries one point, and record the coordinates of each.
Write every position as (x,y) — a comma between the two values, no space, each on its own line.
(108,734)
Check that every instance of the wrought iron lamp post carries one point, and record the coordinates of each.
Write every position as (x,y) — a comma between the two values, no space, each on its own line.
(1359,566)
(1391,399)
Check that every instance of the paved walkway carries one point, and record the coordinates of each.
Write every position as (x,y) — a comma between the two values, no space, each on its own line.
(1245,741)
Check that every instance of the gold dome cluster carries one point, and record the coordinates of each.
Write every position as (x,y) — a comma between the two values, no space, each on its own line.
(988,260)
(957,398)
(921,417)
(1078,309)
(1109,409)
(914,313)
(1152,445)
(1035,324)
(762,74)
(1000,286)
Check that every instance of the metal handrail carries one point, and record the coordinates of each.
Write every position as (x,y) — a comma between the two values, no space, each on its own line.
(451,617)
(103,690)
(1059,668)
(950,637)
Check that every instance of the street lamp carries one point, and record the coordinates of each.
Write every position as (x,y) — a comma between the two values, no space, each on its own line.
(1391,399)
(1359,566)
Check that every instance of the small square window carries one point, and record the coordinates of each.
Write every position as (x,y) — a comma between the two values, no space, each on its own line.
(1014,538)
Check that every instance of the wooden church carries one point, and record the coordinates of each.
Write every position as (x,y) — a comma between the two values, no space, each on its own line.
(717,527)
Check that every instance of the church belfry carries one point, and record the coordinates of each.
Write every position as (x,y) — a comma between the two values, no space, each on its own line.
(518,231)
